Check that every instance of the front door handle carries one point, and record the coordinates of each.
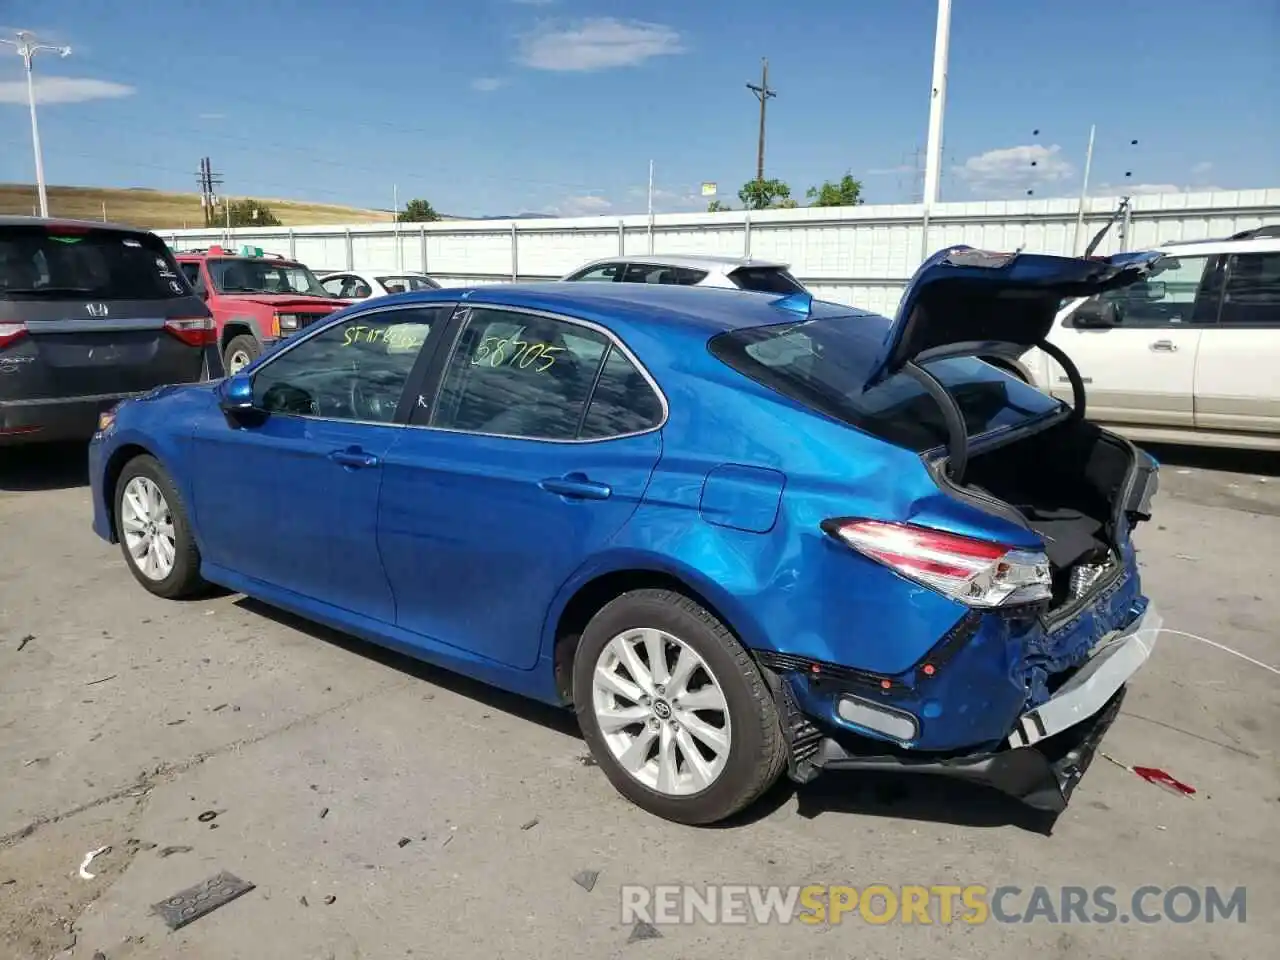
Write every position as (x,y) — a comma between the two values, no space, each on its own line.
(353,457)
(1165,346)
(576,485)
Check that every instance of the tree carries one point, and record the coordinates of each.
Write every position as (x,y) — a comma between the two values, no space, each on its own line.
(418,211)
(763,194)
(846,193)
(717,206)
(250,213)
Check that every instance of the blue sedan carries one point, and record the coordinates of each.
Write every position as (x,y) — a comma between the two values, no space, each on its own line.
(737,533)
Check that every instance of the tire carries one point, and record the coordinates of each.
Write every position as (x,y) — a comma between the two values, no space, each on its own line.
(182,579)
(756,752)
(244,347)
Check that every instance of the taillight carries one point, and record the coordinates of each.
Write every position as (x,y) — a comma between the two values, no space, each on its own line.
(195,331)
(979,573)
(11,333)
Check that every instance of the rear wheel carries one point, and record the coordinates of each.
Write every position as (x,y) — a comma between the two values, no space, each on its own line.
(155,535)
(241,351)
(674,709)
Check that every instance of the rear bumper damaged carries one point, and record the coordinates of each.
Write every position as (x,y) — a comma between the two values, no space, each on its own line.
(1042,756)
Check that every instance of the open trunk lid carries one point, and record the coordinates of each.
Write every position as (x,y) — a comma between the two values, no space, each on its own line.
(968,302)
(962,298)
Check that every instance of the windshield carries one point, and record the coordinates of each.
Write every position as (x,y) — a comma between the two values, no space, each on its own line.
(243,275)
(824,364)
(86,263)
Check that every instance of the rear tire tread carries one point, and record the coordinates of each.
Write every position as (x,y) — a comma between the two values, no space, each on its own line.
(771,758)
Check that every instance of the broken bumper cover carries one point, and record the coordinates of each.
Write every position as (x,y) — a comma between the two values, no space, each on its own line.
(1048,751)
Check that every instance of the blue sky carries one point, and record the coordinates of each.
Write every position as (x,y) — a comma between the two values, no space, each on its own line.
(504,106)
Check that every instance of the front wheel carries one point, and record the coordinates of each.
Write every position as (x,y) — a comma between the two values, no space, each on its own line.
(674,709)
(241,351)
(155,534)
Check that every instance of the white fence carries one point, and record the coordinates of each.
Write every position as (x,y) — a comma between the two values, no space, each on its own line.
(857,255)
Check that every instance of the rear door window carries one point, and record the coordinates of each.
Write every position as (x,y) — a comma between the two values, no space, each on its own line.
(766,280)
(607,272)
(56,262)
(824,364)
(1251,297)
(519,375)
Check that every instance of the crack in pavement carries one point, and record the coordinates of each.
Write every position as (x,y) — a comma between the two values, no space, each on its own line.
(150,780)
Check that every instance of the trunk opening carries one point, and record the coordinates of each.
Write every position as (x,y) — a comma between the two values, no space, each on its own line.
(1072,483)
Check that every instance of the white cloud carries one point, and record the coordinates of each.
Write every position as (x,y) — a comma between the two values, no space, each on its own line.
(211,116)
(588,205)
(534,3)
(1203,167)
(667,201)
(598,43)
(1143,189)
(64,90)
(1011,171)
(487,84)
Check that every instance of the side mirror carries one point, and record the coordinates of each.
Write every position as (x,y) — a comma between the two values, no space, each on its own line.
(235,396)
(1096,315)
(1147,292)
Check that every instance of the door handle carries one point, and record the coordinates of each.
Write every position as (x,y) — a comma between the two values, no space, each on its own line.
(353,457)
(1166,346)
(576,485)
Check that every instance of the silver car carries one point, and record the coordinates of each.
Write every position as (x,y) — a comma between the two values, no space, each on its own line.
(742,273)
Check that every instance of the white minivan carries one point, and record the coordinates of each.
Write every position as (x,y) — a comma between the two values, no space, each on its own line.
(1191,356)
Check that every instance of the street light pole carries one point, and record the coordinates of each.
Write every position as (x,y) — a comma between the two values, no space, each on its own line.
(27,48)
(937,107)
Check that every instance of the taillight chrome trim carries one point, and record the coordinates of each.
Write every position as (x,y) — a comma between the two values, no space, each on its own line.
(975,572)
(11,333)
(193,331)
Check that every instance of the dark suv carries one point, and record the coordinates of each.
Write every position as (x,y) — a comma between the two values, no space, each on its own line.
(91,313)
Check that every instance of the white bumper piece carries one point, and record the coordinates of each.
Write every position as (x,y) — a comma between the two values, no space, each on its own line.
(1116,659)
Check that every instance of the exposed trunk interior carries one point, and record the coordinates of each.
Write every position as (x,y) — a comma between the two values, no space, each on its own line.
(1066,482)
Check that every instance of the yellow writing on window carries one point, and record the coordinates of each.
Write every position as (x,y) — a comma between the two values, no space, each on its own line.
(398,336)
(509,352)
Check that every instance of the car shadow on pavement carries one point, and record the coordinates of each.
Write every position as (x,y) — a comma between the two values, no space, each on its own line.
(1255,462)
(879,794)
(54,466)
(555,718)
(898,797)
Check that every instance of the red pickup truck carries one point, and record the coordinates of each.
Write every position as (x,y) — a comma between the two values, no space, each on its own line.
(255,298)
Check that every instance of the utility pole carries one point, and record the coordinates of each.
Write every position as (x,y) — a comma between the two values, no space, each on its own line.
(762,93)
(1084,192)
(208,198)
(27,48)
(937,107)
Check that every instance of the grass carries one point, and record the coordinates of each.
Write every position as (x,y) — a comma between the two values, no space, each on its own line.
(156,209)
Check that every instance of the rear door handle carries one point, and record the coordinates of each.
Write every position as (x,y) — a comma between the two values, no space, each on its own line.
(576,485)
(353,457)
(1167,346)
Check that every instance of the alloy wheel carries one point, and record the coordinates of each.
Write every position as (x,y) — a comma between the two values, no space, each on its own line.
(238,360)
(661,711)
(147,527)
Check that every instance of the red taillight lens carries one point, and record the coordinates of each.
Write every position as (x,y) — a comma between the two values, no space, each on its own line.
(11,333)
(196,331)
(979,573)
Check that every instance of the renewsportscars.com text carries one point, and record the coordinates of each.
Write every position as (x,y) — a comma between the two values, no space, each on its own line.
(935,904)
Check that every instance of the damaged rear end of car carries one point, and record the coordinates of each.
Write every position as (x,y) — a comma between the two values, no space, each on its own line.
(1022,531)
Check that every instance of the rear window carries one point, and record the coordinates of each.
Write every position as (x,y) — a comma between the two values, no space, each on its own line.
(824,364)
(766,280)
(85,263)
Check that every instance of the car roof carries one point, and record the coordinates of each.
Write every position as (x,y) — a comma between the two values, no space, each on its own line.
(7,220)
(696,261)
(639,306)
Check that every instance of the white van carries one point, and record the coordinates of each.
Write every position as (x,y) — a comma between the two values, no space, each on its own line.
(1191,356)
